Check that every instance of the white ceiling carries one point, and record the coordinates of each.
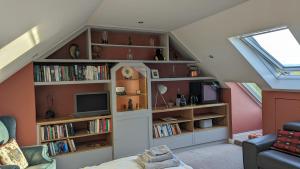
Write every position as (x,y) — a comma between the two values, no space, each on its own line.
(160,15)
(54,19)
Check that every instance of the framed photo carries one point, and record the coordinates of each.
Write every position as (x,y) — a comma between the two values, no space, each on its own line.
(154,74)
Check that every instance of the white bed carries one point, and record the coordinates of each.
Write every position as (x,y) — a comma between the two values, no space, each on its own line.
(128,163)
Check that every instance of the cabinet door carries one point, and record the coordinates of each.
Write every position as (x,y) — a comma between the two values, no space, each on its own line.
(131,135)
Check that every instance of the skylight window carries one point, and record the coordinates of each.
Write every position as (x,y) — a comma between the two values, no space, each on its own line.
(18,47)
(279,49)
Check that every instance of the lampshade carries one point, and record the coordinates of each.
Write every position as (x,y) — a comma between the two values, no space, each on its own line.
(162,89)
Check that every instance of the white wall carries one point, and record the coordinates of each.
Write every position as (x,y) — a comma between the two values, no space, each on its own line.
(209,36)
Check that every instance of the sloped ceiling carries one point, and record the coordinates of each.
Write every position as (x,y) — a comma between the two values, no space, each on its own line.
(55,20)
(209,36)
(160,15)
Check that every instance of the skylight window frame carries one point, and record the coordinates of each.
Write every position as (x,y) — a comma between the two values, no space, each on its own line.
(277,69)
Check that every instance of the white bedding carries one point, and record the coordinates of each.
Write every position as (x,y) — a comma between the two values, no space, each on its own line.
(128,163)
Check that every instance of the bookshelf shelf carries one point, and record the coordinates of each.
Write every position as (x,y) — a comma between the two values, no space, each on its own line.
(180,120)
(183,132)
(181,79)
(79,134)
(84,148)
(63,120)
(71,82)
(211,128)
(208,116)
(160,110)
(113,61)
(127,46)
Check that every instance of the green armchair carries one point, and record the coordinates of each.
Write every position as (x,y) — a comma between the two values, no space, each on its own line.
(37,156)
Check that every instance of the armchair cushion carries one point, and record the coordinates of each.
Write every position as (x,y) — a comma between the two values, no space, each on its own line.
(4,136)
(276,160)
(11,154)
(36,155)
(288,142)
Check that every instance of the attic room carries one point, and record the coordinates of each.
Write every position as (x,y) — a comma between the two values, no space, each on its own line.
(131,84)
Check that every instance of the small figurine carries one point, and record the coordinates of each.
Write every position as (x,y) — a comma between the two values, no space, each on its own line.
(182,101)
(130,105)
(159,55)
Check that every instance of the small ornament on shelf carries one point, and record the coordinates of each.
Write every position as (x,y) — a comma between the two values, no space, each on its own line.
(129,55)
(130,105)
(104,37)
(129,40)
(159,55)
(50,113)
(182,101)
(151,42)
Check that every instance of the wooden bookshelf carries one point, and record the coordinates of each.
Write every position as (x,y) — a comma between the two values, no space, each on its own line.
(83,138)
(186,116)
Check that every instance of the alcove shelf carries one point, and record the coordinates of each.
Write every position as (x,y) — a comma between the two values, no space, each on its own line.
(71,82)
(181,79)
(114,61)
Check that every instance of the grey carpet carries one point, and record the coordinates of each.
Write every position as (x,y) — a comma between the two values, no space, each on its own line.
(224,156)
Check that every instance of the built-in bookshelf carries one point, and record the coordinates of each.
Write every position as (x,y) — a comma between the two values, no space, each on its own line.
(69,134)
(61,76)
(187,117)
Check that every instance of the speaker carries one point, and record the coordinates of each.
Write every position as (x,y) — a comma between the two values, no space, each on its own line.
(195,92)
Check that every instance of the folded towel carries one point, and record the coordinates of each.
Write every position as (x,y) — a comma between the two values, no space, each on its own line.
(147,157)
(160,150)
(159,165)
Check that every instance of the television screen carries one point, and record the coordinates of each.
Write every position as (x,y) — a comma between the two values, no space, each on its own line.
(209,93)
(92,103)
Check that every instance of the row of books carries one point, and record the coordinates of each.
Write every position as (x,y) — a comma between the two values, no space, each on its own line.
(100,126)
(58,147)
(57,131)
(57,73)
(165,130)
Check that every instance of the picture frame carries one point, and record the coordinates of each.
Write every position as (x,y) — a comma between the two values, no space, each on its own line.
(155,74)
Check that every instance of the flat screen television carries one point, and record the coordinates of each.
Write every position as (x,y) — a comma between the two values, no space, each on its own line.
(90,104)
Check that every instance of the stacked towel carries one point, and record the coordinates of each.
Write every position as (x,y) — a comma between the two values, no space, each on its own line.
(157,158)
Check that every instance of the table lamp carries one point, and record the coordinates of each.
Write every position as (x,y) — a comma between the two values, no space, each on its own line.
(161,90)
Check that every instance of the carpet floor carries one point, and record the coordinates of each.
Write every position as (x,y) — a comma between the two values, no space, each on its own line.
(224,156)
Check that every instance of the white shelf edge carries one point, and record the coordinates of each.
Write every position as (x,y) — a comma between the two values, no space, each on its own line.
(71,82)
(127,46)
(182,79)
(112,61)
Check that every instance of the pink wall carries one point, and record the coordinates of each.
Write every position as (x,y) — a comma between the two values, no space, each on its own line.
(278,108)
(246,114)
(17,99)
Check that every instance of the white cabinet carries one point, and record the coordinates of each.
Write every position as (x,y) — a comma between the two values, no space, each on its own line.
(131,108)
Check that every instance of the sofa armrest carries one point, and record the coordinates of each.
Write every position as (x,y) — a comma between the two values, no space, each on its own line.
(292,126)
(36,155)
(9,167)
(252,147)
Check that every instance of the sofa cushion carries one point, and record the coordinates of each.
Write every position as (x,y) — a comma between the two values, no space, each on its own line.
(4,136)
(272,159)
(11,154)
(288,141)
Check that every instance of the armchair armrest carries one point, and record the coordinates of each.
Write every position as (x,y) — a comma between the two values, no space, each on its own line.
(251,148)
(292,126)
(36,154)
(9,167)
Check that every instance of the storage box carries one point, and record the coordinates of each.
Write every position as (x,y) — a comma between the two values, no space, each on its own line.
(204,123)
